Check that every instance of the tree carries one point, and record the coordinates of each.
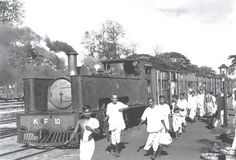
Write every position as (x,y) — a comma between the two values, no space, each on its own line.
(175,60)
(232,66)
(157,50)
(128,50)
(21,55)
(89,42)
(204,70)
(106,44)
(11,12)
(110,34)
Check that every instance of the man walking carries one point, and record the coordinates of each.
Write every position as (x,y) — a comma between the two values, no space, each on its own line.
(116,122)
(165,111)
(181,105)
(88,127)
(192,105)
(155,126)
(200,104)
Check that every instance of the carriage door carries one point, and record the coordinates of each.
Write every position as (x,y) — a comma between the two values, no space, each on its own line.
(148,71)
(165,85)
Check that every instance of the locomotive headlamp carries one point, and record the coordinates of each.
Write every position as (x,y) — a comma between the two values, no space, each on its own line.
(98,67)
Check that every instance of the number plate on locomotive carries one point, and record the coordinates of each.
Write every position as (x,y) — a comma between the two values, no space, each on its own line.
(33,122)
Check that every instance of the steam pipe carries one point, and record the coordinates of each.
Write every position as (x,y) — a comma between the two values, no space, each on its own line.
(72,63)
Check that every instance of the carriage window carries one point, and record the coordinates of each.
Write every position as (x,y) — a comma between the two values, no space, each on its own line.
(147,70)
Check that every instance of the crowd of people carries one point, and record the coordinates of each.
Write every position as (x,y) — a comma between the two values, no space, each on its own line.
(161,119)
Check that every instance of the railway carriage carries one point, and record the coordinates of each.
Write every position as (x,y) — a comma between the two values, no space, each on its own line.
(52,106)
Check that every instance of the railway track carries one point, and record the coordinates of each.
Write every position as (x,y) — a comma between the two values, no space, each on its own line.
(11,105)
(8,112)
(7,132)
(7,120)
(23,153)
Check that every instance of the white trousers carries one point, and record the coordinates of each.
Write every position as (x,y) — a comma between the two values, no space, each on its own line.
(177,122)
(192,113)
(153,141)
(115,136)
(183,119)
(201,110)
(87,149)
(222,117)
(167,123)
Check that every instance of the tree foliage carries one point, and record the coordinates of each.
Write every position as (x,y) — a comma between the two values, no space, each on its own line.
(11,12)
(204,70)
(107,43)
(176,62)
(21,55)
(232,66)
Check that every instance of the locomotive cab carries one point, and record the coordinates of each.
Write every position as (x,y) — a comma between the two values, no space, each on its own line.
(128,68)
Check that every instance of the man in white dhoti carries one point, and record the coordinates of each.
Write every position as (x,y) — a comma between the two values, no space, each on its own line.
(88,127)
(155,125)
(165,110)
(210,107)
(200,103)
(192,105)
(177,120)
(116,122)
(182,104)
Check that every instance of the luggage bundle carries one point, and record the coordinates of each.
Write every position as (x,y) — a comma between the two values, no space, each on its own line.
(219,153)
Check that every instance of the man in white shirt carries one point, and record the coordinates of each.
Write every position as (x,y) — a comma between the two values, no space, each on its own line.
(177,120)
(88,127)
(182,107)
(210,107)
(200,103)
(155,126)
(192,105)
(165,110)
(116,122)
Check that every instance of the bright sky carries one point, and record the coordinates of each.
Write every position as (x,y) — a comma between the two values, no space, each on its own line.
(202,30)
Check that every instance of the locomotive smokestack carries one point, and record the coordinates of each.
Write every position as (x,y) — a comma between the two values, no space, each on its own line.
(72,63)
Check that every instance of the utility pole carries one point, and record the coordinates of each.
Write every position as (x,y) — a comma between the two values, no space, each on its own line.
(223,71)
(225,102)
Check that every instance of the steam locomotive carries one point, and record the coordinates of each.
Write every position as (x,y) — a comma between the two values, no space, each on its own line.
(53,106)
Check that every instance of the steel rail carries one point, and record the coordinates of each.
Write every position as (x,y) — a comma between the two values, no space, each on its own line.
(33,154)
(18,150)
